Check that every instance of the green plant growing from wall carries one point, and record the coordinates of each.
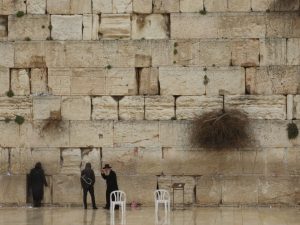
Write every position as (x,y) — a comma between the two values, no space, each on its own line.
(20,14)
(10,93)
(19,120)
(203,11)
(205,80)
(292,130)
(108,67)
(27,39)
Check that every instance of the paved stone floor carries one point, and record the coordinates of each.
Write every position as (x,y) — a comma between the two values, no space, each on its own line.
(145,216)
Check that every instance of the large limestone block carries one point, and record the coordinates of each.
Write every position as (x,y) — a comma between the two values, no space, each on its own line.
(259,107)
(148,81)
(34,27)
(122,6)
(8,7)
(10,107)
(87,24)
(262,5)
(39,81)
(9,135)
(6,54)
(102,6)
(293,53)
(30,54)
(13,190)
(239,6)
(159,107)
(162,53)
(36,6)
(165,6)
(3,27)
(91,133)
(191,5)
(187,52)
(66,27)
(292,5)
(213,26)
(253,161)
(189,107)
(115,26)
(136,134)
(142,6)
(296,111)
(215,5)
(59,81)
(240,190)
(105,108)
(69,6)
(181,81)
(245,53)
(93,156)
(34,135)
(4,80)
(55,54)
(273,80)
(153,26)
(138,188)
(208,190)
(149,161)
(71,161)
(76,108)
(277,190)
(132,108)
(4,160)
(66,189)
(225,80)
(273,52)
(276,159)
(43,106)
(293,161)
(20,83)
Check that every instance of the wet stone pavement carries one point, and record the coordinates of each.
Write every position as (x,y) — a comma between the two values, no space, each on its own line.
(145,216)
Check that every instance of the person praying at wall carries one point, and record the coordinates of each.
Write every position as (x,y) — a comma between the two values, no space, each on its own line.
(111,183)
(37,180)
(87,183)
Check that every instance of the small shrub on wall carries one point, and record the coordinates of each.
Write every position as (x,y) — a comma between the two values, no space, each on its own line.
(221,129)
(292,130)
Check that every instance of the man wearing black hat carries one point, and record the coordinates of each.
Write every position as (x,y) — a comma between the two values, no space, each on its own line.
(111,182)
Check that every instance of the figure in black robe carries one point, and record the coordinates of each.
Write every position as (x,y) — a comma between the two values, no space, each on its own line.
(87,183)
(37,180)
(111,183)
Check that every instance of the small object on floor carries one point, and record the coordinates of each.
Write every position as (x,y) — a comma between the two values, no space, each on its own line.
(95,207)
(105,207)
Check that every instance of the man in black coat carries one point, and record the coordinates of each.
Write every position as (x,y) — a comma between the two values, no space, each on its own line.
(111,183)
(37,180)
(87,183)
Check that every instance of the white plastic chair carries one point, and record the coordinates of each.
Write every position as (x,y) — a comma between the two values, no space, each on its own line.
(162,197)
(117,198)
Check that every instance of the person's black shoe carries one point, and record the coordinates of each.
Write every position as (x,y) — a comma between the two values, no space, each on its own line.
(95,207)
(105,207)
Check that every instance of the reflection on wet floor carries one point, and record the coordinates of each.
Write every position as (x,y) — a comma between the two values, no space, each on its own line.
(145,216)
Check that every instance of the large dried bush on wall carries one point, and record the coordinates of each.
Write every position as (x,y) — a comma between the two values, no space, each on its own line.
(221,129)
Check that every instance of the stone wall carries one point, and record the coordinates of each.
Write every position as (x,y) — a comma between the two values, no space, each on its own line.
(126,78)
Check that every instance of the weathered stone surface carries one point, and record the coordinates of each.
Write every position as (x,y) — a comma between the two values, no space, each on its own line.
(153,26)
(36,6)
(43,106)
(181,81)
(149,161)
(142,6)
(245,53)
(132,108)
(191,5)
(69,6)
(253,161)
(165,6)
(262,5)
(76,108)
(273,80)
(259,107)
(34,27)
(208,190)
(59,81)
(6,54)
(67,189)
(39,81)
(87,24)
(237,5)
(3,28)
(10,107)
(13,189)
(143,61)
(20,83)
(93,156)
(115,26)
(71,161)
(189,107)
(289,107)
(182,26)
(215,5)
(8,7)
(296,112)
(91,133)
(136,134)
(159,107)
(4,80)
(102,6)
(105,108)
(292,5)
(138,188)
(148,81)
(225,81)
(9,135)
(276,162)
(273,52)
(122,6)
(293,53)
(237,190)
(4,160)
(293,161)
(66,27)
